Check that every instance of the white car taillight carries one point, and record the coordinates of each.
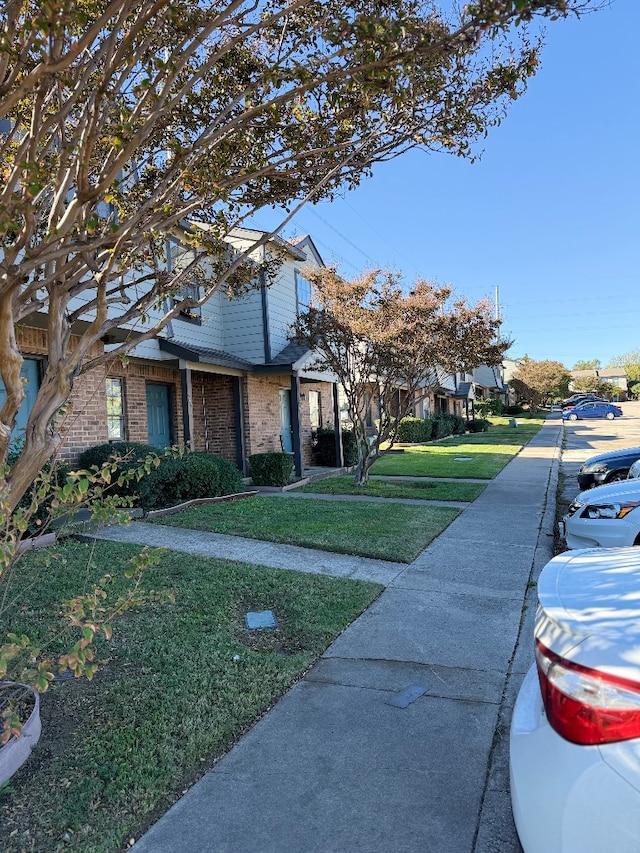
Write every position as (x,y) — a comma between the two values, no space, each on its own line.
(584,705)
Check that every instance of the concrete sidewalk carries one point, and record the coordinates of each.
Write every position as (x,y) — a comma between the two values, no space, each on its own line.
(396,741)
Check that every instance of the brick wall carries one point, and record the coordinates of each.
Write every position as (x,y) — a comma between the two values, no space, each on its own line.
(261,401)
(85,421)
(213,414)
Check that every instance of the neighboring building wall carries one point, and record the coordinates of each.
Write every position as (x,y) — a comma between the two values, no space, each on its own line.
(213,414)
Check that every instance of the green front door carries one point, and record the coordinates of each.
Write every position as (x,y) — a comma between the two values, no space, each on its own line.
(31,373)
(158,415)
(286,433)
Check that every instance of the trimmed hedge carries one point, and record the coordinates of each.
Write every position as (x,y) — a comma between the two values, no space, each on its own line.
(415,430)
(176,479)
(513,410)
(271,469)
(445,425)
(134,451)
(478,425)
(194,475)
(324,447)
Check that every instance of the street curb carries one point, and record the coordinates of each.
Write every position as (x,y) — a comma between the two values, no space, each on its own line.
(496,832)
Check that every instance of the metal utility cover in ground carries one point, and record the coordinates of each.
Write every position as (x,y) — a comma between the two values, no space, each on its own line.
(410,693)
(261,619)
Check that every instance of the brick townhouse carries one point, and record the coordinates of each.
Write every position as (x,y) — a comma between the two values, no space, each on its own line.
(225,378)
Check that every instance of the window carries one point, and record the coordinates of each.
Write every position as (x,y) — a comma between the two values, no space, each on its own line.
(178,258)
(115,410)
(315,409)
(303,292)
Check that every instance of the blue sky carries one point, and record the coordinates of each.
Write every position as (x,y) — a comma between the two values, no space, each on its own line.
(549,215)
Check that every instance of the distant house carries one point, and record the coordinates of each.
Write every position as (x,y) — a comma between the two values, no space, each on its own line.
(617,376)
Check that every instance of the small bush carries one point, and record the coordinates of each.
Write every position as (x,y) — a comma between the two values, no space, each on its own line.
(459,424)
(162,486)
(324,447)
(271,469)
(192,476)
(443,425)
(490,406)
(132,454)
(478,425)
(415,430)
(513,410)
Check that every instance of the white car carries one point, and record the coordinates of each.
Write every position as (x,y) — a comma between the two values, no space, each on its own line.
(605,517)
(575,730)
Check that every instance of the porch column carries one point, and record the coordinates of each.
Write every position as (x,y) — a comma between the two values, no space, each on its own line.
(295,424)
(187,405)
(337,426)
(241,454)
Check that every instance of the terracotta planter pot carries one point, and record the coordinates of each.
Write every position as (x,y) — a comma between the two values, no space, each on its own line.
(14,753)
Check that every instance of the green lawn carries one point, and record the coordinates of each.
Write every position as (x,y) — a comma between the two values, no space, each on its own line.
(420,489)
(388,531)
(481,455)
(181,683)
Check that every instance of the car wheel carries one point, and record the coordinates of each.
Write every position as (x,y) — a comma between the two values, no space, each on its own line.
(573,417)
(610,416)
(617,476)
(637,542)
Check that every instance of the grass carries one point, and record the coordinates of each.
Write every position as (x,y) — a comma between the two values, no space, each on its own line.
(183,681)
(416,489)
(487,452)
(388,531)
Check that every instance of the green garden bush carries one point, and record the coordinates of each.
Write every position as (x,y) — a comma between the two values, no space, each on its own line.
(174,480)
(445,424)
(271,469)
(324,447)
(415,430)
(478,425)
(132,454)
(513,410)
(189,477)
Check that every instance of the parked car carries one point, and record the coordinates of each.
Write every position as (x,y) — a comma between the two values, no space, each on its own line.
(604,517)
(575,729)
(574,399)
(592,409)
(607,467)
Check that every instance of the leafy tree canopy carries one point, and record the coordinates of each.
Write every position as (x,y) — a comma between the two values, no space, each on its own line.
(631,363)
(390,344)
(593,364)
(124,121)
(539,381)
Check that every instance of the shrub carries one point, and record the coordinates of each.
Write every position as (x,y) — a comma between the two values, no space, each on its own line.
(324,447)
(192,476)
(490,406)
(459,424)
(132,453)
(162,486)
(478,425)
(415,430)
(443,425)
(513,410)
(271,469)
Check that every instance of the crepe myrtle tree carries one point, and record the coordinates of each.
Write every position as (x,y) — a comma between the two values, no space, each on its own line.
(390,343)
(123,121)
(538,381)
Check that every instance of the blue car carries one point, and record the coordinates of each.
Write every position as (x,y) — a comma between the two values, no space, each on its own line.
(592,409)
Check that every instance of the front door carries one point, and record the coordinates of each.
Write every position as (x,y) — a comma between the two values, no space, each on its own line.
(286,433)
(30,372)
(158,419)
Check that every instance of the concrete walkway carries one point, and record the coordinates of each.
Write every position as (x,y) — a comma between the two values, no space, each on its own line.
(396,741)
